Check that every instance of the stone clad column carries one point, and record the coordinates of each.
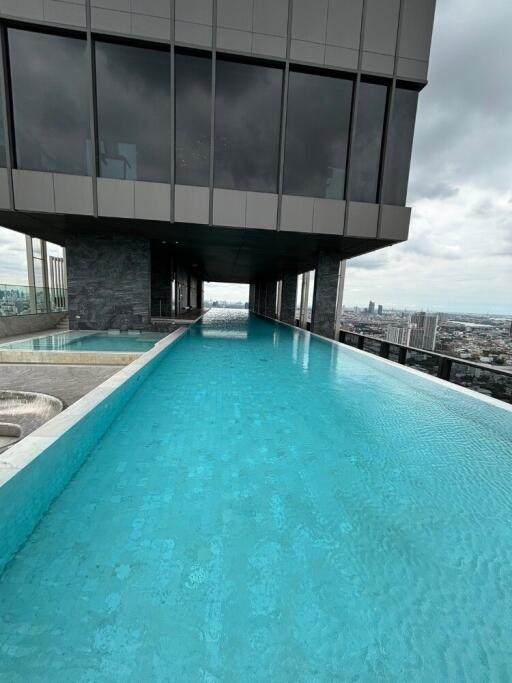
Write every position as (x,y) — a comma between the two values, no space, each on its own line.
(325,296)
(261,298)
(288,299)
(270,299)
(251,296)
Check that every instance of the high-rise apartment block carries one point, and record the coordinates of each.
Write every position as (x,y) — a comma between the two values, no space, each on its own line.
(423,334)
(399,334)
(168,142)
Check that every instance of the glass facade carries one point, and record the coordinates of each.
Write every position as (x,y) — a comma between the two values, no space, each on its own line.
(133,100)
(317,133)
(366,155)
(398,155)
(3,151)
(193,107)
(51,119)
(50,101)
(247,124)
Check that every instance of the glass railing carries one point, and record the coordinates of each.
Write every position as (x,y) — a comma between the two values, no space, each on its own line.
(492,381)
(24,300)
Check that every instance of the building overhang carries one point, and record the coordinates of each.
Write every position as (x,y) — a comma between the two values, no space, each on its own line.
(221,254)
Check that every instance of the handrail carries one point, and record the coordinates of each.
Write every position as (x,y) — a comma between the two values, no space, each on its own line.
(18,300)
(498,389)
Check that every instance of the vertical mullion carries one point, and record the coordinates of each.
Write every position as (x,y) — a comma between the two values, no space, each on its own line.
(212,111)
(93,113)
(284,115)
(7,112)
(385,136)
(353,116)
(172,95)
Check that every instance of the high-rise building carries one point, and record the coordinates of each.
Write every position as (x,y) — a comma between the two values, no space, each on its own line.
(371,307)
(210,142)
(399,334)
(423,335)
(379,309)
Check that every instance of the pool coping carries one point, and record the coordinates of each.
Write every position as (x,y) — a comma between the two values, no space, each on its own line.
(63,357)
(437,380)
(34,444)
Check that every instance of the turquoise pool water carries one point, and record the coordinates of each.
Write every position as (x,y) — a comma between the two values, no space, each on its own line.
(272,507)
(98,341)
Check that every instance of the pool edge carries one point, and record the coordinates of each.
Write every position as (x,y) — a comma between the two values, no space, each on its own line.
(29,483)
(424,375)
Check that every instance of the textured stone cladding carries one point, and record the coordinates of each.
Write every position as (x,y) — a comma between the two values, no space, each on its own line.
(108,282)
(324,298)
(161,281)
(270,299)
(288,298)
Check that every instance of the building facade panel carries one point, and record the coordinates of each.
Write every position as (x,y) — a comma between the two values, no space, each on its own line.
(73,194)
(191,204)
(116,198)
(33,191)
(280,121)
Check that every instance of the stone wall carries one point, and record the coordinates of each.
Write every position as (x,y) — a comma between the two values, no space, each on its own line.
(109,282)
(13,325)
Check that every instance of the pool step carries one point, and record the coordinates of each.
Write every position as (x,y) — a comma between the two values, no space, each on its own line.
(63,324)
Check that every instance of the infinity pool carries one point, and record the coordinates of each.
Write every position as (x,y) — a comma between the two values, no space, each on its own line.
(273,507)
(97,341)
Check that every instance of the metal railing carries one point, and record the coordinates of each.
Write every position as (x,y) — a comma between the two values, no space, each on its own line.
(492,381)
(24,300)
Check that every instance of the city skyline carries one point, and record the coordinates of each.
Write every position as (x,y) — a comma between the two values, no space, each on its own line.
(459,254)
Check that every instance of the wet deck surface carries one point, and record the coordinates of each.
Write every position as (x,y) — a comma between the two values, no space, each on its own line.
(67,382)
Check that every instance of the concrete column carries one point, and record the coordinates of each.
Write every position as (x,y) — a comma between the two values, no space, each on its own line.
(261,298)
(288,299)
(270,299)
(304,300)
(251,296)
(109,279)
(325,296)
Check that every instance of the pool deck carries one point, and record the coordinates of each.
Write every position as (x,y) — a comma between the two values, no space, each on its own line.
(67,382)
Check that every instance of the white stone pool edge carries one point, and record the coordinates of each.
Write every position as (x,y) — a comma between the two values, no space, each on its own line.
(34,472)
(405,368)
(11,355)
(31,446)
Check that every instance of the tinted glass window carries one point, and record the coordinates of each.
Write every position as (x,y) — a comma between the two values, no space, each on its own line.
(3,154)
(49,79)
(365,158)
(193,102)
(398,156)
(133,92)
(317,130)
(247,123)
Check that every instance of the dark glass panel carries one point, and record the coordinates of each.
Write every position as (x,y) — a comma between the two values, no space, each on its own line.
(317,131)
(247,123)
(422,361)
(3,153)
(398,156)
(133,93)
(365,157)
(50,102)
(193,103)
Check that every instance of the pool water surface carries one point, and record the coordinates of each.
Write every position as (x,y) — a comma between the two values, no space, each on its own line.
(97,341)
(270,506)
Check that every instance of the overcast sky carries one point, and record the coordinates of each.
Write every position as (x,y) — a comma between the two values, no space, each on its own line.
(459,253)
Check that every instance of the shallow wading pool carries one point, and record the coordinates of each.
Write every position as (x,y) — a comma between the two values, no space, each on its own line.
(270,506)
(88,341)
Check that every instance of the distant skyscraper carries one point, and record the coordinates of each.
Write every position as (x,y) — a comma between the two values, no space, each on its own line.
(423,336)
(371,307)
(379,310)
(399,334)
